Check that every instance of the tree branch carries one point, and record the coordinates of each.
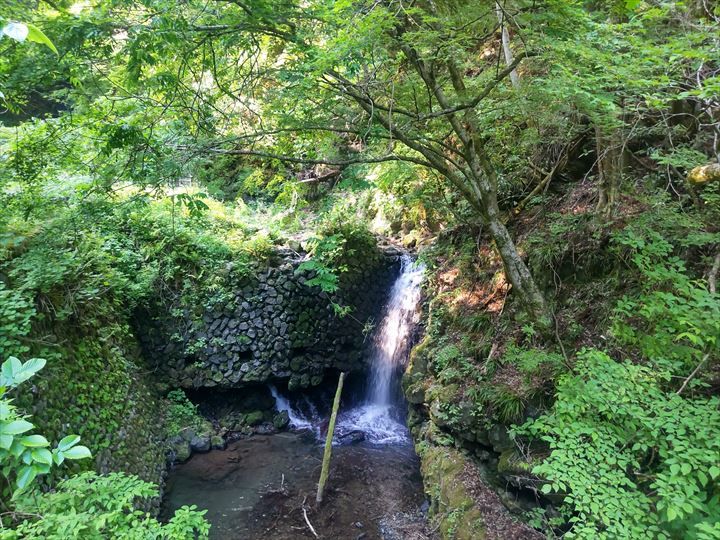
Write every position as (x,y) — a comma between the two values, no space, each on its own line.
(309,161)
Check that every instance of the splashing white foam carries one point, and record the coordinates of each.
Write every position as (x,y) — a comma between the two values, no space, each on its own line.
(297,419)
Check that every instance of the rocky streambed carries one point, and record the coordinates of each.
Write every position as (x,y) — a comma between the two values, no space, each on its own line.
(259,486)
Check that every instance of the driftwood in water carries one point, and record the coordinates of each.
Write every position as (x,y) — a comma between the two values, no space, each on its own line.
(328,441)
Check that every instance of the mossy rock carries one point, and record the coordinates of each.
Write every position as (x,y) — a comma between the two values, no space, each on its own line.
(179,450)
(254,418)
(704,174)
(217,442)
(511,462)
(443,475)
(281,420)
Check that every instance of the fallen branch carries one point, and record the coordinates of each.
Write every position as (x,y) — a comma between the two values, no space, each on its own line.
(322,178)
(312,529)
(560,164)
(694,372)
(545,181)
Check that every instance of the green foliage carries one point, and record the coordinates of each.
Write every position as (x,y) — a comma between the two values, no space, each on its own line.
(16,313)
(83,506)
(325,251)
(93,506)
(180,413)
(25,31)
(675,321)
(631,460)
(94,226)
(633,445)
(338,241)
(26,456)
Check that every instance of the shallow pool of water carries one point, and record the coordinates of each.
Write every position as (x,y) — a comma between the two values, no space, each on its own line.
(255,489)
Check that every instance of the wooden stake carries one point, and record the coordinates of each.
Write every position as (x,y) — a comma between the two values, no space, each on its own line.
(328,441)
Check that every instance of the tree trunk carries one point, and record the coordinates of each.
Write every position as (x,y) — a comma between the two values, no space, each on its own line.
(505,40)
(517,272)
(484,188)
(609,148)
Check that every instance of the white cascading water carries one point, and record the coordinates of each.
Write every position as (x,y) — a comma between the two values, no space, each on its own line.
(297,420)
(393,335)
(380,415)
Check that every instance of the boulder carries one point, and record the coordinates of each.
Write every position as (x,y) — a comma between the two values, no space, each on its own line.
(217,442)
(281,420)
(352,437)
(200,443)
(254,418)
(179,450)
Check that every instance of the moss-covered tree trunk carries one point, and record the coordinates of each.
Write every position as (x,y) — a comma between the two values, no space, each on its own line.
(609,148)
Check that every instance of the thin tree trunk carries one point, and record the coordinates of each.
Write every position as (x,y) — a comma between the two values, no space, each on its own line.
(505,40)
(325,472)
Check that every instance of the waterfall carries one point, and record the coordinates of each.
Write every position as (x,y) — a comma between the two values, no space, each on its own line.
(380,416)
(391,340)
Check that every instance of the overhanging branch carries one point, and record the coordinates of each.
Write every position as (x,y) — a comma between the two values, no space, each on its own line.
(309,161)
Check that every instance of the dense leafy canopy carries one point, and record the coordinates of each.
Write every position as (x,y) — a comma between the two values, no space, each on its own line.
(150,147)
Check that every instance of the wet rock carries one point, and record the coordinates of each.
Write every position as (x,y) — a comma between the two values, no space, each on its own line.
(499,438)
(200,443)
(281,420)
(179,449)
(352,437)
(217,442)
(265,429)
(254,418)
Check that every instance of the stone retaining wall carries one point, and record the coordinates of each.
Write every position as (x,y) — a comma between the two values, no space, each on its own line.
(274,327)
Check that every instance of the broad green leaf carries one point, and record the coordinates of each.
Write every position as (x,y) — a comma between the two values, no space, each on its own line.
(15,428)
(28,369)
(9,367)
(26,475)
(6,441)
(703,478)
(78,452)
(34,441)
(4,410)
(68,442)
(37,35)
(42,455)
(16,449)
(42,468)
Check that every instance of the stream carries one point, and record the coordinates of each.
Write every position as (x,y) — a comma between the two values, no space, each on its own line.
(258,487)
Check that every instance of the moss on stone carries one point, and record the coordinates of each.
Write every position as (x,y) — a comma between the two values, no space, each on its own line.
(96,385)
(254,418)
(452,504)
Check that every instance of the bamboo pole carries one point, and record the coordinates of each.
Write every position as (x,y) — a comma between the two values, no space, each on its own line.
(325,472)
